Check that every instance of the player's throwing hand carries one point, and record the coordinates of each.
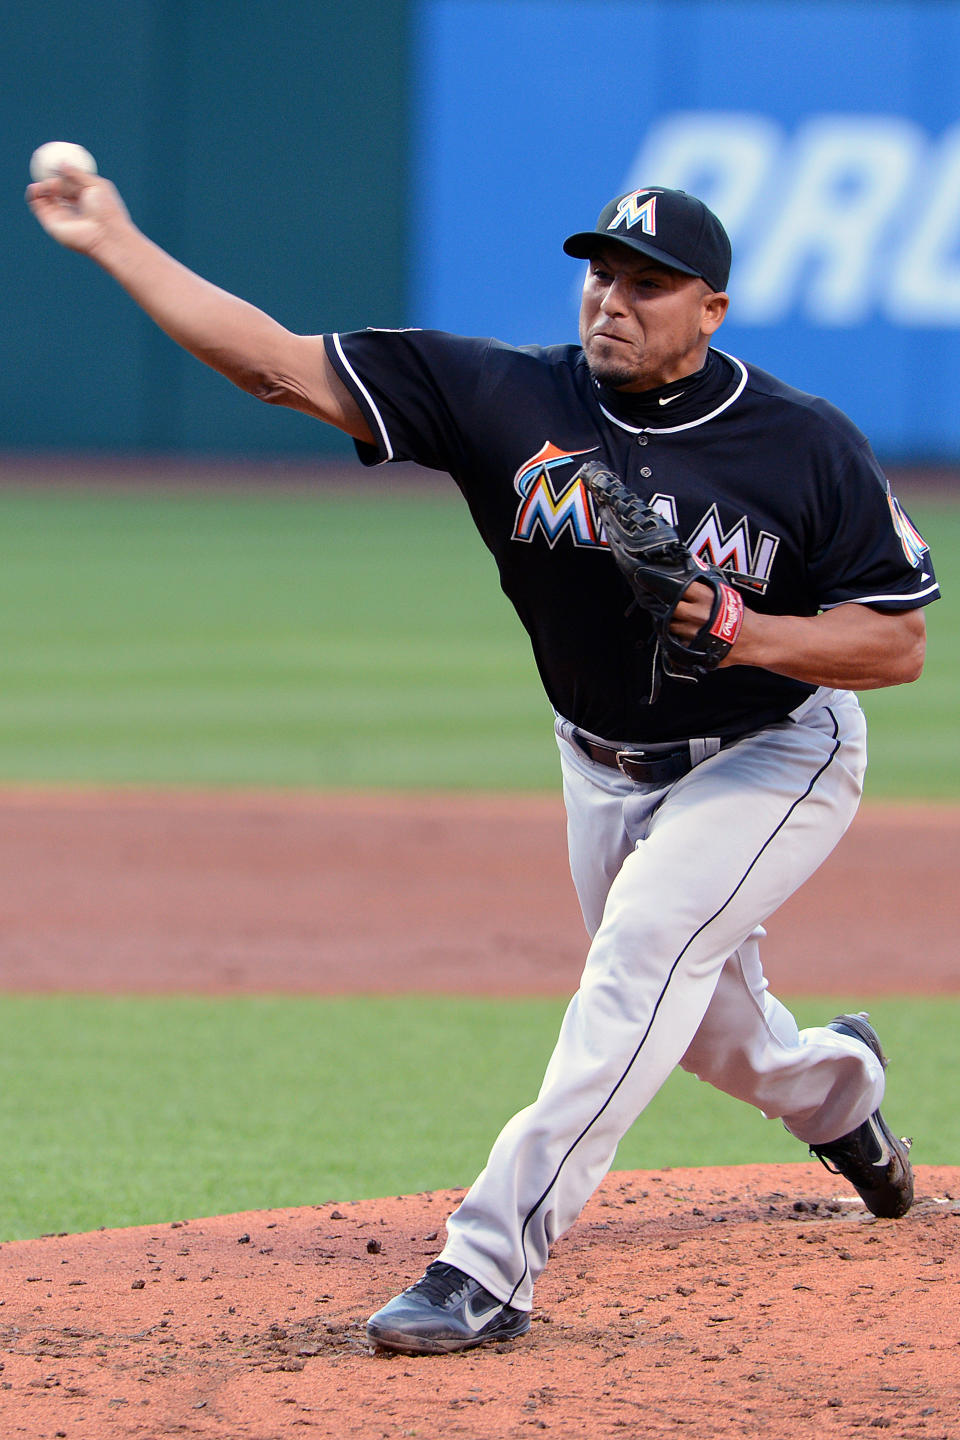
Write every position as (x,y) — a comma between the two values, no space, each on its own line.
(77,209)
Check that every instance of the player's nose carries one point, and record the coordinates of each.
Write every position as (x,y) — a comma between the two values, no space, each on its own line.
(614,299)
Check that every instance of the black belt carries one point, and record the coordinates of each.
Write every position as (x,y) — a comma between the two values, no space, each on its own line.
(651,765)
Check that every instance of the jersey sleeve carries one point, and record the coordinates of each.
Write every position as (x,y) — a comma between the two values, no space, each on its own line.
(869,552)
(413,387)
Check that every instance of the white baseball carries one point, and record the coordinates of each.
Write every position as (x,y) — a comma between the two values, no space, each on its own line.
(45,162)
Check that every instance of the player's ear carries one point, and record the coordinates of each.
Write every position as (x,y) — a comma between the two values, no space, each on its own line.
(714,309)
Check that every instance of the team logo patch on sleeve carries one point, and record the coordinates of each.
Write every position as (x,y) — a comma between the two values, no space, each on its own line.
(914,545)
(551,500)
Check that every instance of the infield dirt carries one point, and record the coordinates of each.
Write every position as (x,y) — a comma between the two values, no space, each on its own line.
(759,1300)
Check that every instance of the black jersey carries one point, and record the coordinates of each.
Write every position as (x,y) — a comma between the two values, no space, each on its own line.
(777,487)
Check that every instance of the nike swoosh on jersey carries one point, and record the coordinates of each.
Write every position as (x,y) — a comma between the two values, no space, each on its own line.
(669,399)
(477,1322)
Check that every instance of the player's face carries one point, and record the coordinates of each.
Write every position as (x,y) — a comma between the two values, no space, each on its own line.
(643,325)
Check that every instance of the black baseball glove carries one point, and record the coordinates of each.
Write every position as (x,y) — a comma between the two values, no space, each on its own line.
(660,569)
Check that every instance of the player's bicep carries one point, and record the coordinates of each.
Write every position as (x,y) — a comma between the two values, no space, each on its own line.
(890,643)
(307,381)
(904,630)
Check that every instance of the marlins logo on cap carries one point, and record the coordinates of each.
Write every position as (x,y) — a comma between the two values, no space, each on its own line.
(640,208)
(670,226)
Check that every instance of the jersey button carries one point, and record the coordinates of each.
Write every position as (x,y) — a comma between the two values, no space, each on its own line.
(642,439)
(646,472)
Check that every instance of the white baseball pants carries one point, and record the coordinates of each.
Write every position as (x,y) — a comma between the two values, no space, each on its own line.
(674,883)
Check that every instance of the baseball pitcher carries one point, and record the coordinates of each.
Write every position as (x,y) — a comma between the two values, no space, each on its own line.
(709,564)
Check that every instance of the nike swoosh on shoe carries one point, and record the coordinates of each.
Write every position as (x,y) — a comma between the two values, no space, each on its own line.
(477,1322)
(886,1154)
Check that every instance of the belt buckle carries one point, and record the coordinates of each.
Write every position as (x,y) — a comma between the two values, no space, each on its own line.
(628,756)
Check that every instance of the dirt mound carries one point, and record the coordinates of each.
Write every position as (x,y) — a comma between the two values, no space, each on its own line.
(750,1301)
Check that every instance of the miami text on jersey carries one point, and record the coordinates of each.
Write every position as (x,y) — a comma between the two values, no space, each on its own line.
(553,501)
(750,565)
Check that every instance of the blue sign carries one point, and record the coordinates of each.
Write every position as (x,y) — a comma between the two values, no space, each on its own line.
(825,135)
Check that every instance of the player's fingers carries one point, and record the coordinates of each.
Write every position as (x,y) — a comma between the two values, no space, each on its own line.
(77,196)
(41,200)
(693,609)
(74,182)
(78,178)
(43,190)
(68,184)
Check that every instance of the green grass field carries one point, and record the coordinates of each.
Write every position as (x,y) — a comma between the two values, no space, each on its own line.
(318,640)
(125,1111)
(242,639)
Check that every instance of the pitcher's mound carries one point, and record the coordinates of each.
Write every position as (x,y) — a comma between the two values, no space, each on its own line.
(759,1300)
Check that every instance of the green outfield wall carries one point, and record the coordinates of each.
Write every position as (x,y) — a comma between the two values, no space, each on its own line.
(301,106)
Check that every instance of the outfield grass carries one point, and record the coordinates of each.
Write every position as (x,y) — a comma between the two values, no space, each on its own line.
(125,1111)
(318,640)
(260,640)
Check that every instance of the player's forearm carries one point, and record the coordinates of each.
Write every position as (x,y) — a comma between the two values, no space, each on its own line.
(230,335)
(227,333)
(83,212)
(851,647)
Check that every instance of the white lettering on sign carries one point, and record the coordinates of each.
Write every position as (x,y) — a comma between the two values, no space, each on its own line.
(848,217)
(926,289)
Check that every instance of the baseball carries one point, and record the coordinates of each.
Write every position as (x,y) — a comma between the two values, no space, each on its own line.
(45,162)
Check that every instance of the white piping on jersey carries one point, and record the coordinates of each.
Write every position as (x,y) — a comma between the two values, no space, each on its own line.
(672,429)
(883,599)
(368,397)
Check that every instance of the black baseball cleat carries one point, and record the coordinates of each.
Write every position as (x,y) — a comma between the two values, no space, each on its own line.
(445,1310)
(875,1162)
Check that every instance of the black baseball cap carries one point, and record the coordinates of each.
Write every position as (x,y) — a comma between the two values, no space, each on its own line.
(668,225)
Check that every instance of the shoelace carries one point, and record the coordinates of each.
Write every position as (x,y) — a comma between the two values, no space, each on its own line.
(440,1281)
